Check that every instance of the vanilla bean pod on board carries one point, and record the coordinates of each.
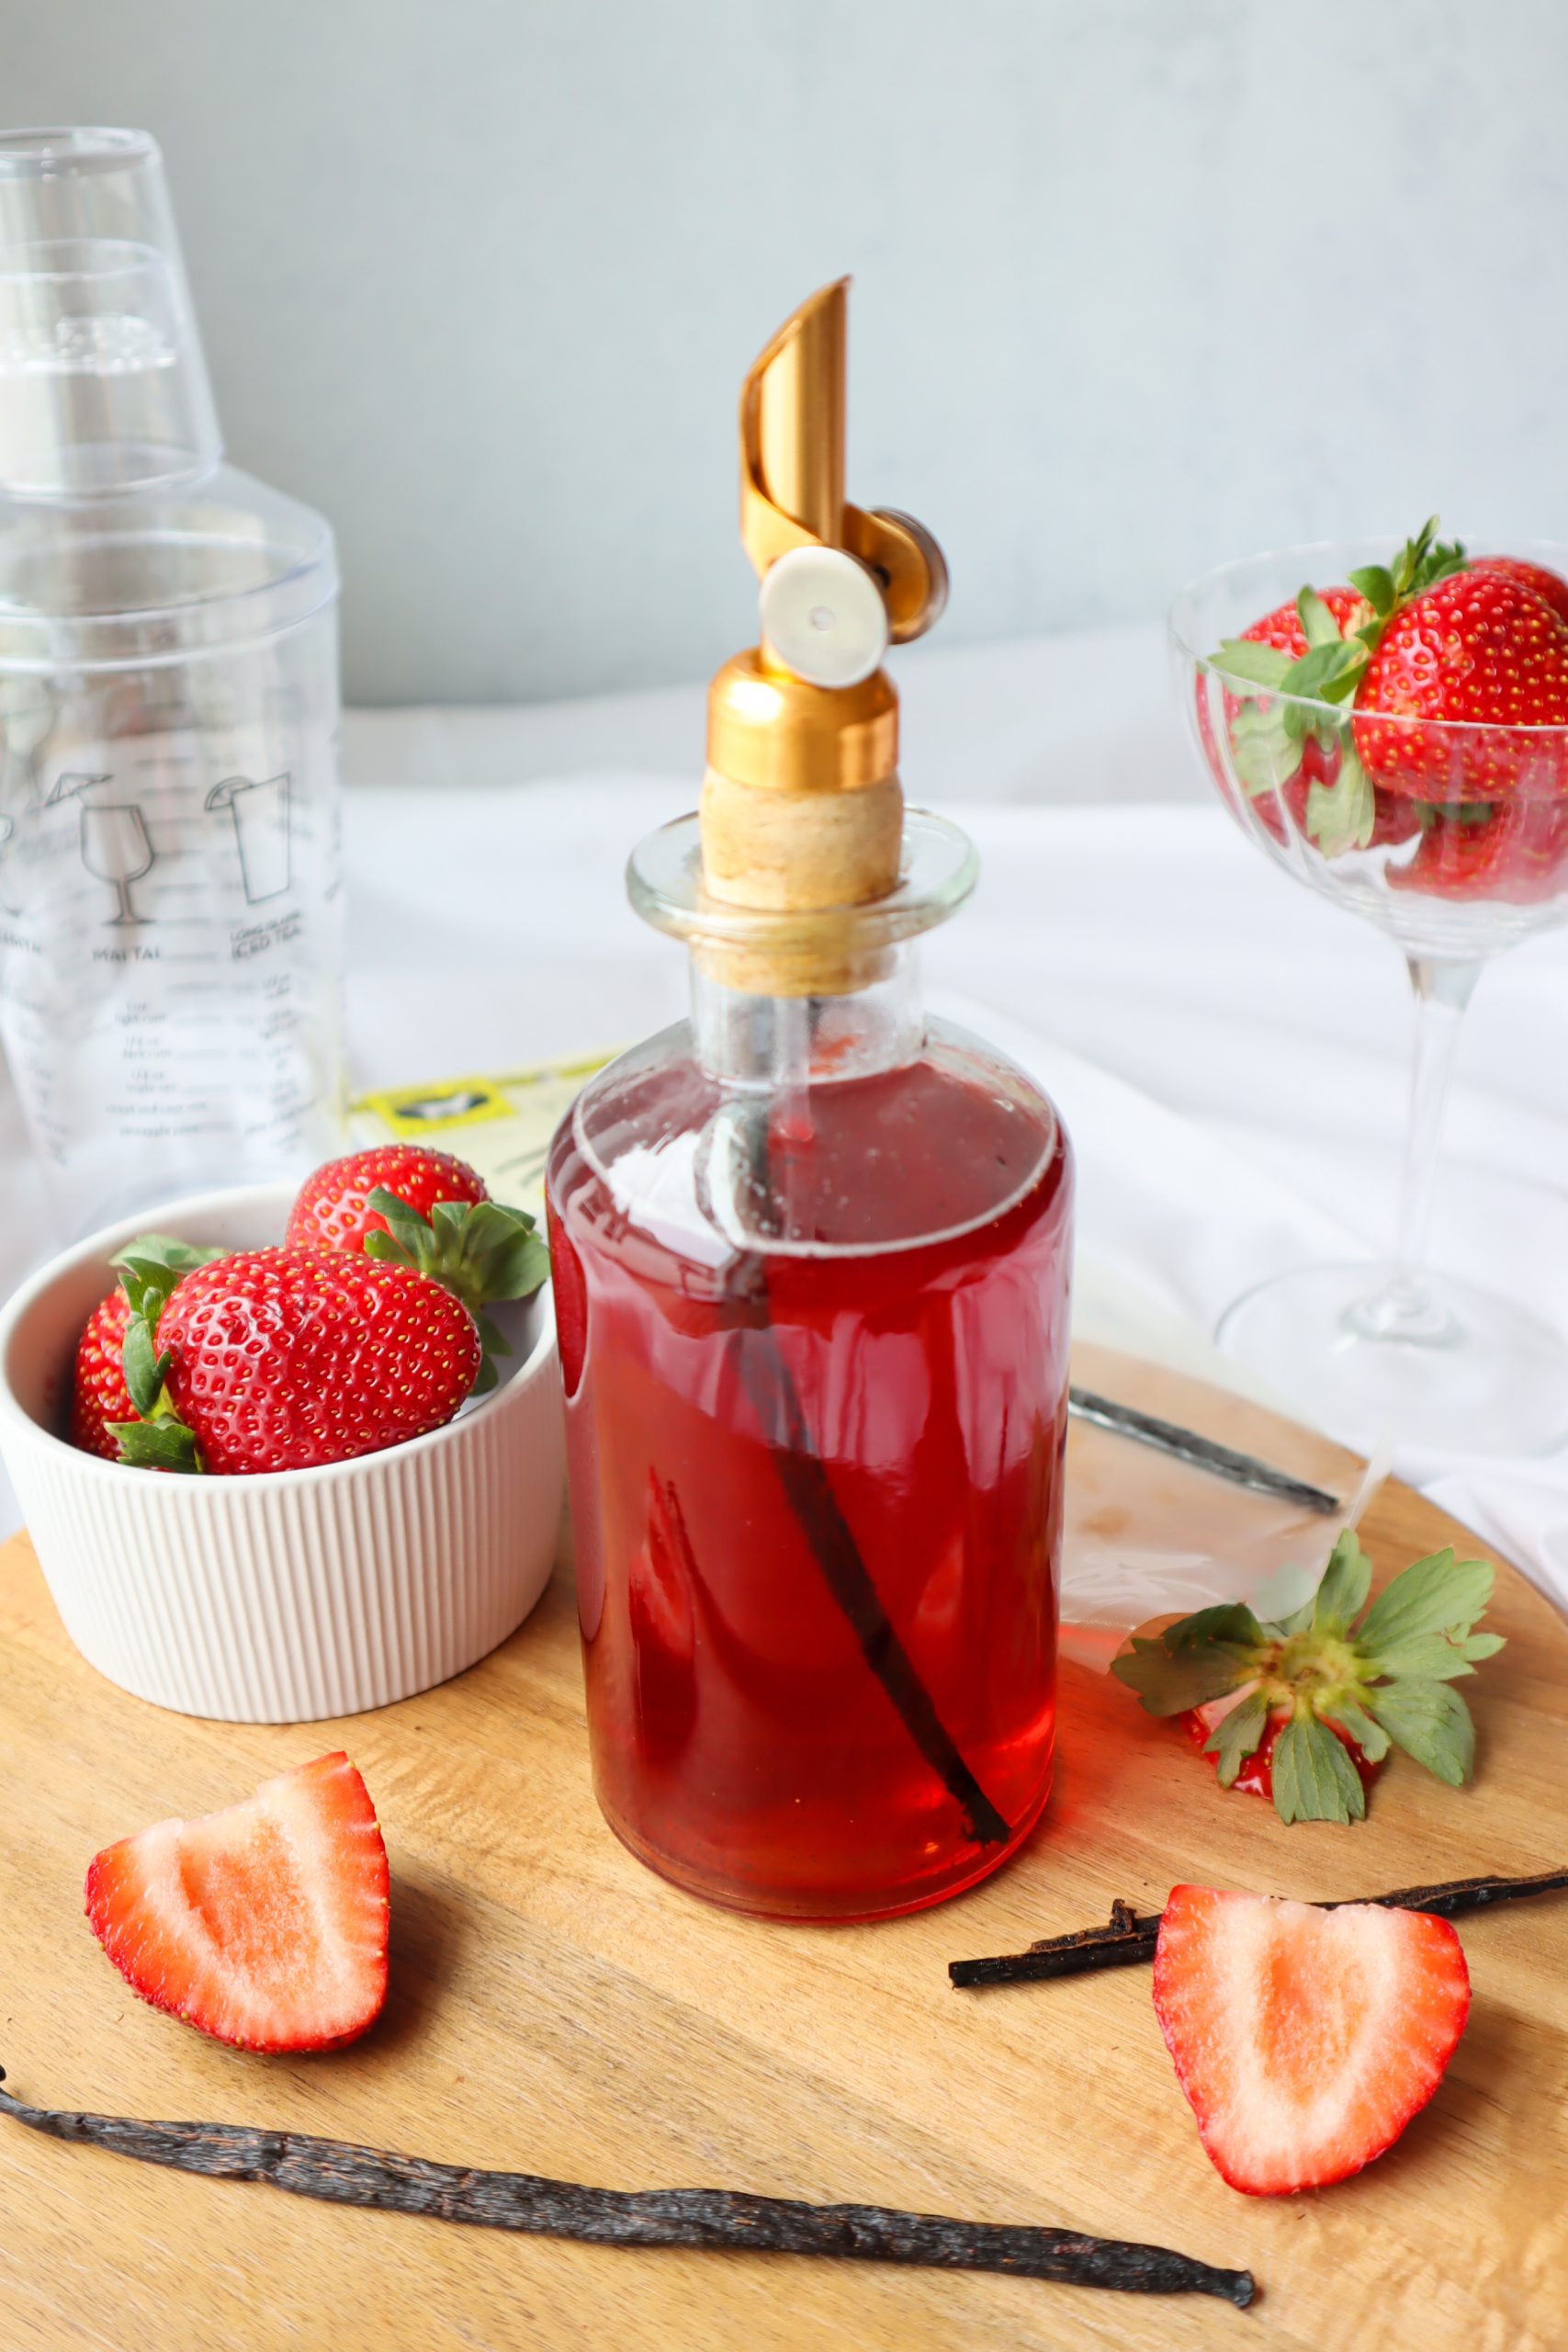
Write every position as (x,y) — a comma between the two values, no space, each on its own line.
(721,2219)
(1130,1935)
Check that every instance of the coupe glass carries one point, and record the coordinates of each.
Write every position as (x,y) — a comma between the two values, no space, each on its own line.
(1453,839)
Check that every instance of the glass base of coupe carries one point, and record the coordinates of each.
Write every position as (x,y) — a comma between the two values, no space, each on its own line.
(1395,733)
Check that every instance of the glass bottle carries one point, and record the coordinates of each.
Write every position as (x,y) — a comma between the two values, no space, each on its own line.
(811,1254)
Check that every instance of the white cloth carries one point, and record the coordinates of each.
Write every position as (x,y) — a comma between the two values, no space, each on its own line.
(1229,1052)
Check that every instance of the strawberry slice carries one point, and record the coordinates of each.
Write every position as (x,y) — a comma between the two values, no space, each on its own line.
(1304,2038)
(265,1924)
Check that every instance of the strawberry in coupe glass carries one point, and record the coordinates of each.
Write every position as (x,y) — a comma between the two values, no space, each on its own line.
(1395,735)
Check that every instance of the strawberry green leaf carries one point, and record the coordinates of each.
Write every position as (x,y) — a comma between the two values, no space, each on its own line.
(145,1370)
(1198,1659)
(1342,687)
(1438,1595)
(1238,1735)
(1411,556)
(1313,1775)
(157,1445)
(163,1249)
(1251,665)
(148,1285)
(1342,815)
(405,1226)
(1346,1580)
(1326,665)
(1368,1736)
(1375,583)
(519,1267)
(492,1339)
(1435,1657)
(1431,1721)
(481,1251)
(1318,623)
(1266,754)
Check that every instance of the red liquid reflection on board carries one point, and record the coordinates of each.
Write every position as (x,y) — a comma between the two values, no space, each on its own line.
(741,1743)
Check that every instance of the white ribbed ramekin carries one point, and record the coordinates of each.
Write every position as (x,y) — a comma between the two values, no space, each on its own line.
(304,1593)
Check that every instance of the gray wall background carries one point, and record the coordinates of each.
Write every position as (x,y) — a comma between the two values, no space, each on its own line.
(1140,284)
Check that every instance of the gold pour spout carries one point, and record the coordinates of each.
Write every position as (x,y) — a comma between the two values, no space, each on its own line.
(802,812)
(791,469)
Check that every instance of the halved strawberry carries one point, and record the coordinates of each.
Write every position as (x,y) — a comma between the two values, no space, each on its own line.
(1304,2038)
(265,1924)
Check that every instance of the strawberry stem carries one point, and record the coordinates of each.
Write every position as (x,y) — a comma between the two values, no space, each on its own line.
(481,1251)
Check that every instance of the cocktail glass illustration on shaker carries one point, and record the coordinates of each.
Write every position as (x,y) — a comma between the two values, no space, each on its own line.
(1451,835)
(261,815)
(115,847)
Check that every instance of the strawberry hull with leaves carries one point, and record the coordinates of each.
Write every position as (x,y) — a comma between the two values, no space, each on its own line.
(1425,701)
(1303,1709)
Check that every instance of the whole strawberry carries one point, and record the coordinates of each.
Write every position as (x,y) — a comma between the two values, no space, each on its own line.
(407,1206)
(99,1393)
(1282,632)
(288,1359)
(1459,677)
(332,1210)
(1550,587)
(1513,854)
(99,1396)
(1297,767)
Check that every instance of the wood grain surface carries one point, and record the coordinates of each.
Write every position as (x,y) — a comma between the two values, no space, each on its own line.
(556,2009)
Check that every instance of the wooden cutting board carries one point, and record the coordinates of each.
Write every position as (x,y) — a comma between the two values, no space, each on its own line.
(556,2008)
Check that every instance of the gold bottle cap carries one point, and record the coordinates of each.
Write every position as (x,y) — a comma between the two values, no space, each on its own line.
(769,729)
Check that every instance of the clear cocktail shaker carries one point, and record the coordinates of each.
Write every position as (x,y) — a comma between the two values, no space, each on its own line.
(170,920)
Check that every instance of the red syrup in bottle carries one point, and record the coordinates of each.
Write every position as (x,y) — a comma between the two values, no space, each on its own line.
(816,1440)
